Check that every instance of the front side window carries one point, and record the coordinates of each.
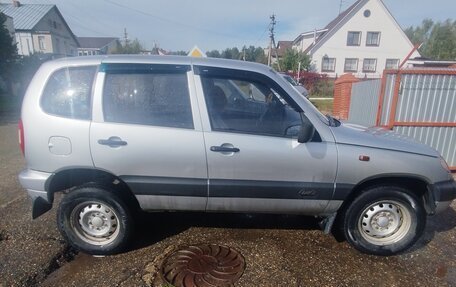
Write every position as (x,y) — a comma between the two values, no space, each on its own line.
(328,64)
(351,65)
(369,65)
(68,93)
(247,106)
(147,98)
(353,38)
(373,39)
(392,64)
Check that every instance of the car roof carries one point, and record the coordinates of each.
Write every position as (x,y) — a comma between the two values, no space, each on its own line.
(173,60)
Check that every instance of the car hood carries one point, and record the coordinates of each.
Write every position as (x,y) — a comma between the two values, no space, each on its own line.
(381,138)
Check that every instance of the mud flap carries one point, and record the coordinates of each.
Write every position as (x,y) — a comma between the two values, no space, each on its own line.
(327,223)
(39,207)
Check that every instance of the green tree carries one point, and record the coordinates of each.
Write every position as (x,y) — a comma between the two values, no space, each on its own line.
(291,59)
(213,54)
(251,54)
(231,53)
(8,53)
(133,47)
(438,39)
(179,53)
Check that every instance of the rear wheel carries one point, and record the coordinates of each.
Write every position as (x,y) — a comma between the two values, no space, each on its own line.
(94,220)
(384,220)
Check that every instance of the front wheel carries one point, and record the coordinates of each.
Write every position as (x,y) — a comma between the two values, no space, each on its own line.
(94,220)
(384,220)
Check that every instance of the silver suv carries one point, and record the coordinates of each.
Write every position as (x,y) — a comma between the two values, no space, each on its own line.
(120,134)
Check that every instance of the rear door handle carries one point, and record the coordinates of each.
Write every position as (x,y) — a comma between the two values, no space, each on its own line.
(224,149)
(112,142)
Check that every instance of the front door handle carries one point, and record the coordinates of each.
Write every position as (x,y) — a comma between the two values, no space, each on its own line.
(112,142)
(224,149)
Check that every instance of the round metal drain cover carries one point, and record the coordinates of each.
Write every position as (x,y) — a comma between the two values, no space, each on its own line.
(203,265)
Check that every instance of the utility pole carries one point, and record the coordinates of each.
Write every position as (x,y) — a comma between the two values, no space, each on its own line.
(272,44)
(125,36)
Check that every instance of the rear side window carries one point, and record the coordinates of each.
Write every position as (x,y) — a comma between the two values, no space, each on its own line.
(68,93)
(157,98)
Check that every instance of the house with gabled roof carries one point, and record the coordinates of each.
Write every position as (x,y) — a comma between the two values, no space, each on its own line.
(363,40)
(40,28)
(97,45)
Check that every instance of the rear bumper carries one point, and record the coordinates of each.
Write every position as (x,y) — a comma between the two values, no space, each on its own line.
(442,193)
(35,184)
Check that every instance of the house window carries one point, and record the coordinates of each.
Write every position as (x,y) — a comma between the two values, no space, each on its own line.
(351,65)
(353,38)
(369,65)
(41,43)
(373,39)
(328,64)
(392,64)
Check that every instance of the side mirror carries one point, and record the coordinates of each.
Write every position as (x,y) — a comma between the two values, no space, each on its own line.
(306,132)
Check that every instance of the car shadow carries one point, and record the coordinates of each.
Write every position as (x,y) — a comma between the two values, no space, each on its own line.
(155,227)
(441,222)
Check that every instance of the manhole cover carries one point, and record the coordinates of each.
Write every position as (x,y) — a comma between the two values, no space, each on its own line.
(203,265)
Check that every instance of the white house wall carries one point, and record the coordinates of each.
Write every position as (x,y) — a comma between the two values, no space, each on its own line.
(47,41)
(304,43)
(393,42)
(24,43)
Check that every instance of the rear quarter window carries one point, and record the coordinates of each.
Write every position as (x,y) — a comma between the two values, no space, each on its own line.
(68,93)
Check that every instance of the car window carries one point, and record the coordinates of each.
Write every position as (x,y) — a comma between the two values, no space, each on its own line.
(249,107)
(68,93)
(148,98)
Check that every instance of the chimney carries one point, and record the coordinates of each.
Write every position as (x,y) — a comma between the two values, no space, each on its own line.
(16,3)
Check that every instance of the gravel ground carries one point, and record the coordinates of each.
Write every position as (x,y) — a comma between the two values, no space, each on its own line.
(278,250)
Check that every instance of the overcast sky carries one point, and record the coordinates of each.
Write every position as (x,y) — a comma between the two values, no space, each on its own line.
(214,24)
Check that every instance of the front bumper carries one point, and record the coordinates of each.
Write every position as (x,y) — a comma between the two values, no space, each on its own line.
(35,184)
(442,194)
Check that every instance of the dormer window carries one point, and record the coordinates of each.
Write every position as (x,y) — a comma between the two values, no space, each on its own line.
(353,38)
(373,39)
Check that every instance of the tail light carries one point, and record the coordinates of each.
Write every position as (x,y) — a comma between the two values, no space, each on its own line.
(20,132)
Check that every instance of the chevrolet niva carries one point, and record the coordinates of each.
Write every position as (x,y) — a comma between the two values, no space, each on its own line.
(120,134)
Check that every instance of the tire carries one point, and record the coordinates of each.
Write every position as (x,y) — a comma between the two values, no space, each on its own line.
(94,220)
(384,220)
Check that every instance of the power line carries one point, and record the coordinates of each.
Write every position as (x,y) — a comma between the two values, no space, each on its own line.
(162,19)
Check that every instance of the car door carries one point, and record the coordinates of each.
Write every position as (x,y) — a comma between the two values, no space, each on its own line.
(255,163)
(146,130)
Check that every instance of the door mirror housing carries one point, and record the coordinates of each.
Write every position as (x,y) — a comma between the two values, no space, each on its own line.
(307,130)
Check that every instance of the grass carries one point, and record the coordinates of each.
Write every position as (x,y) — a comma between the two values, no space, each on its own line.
(325,106)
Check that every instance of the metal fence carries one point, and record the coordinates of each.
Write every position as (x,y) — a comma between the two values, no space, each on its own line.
(363,94)
(419,103)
